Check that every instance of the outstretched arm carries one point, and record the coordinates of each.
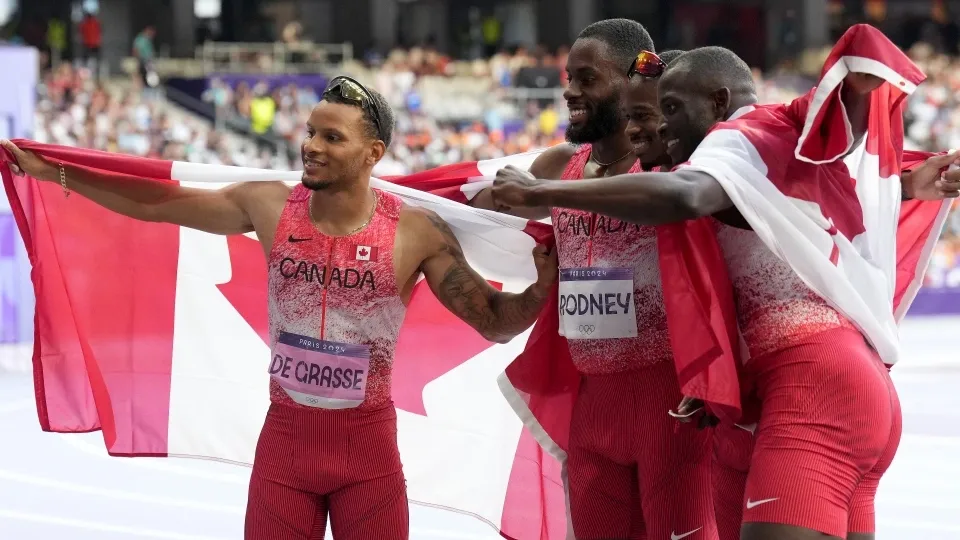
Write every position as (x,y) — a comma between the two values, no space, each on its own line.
(644,198)
(214,211)
(547,165)
(926,182)
(496,315)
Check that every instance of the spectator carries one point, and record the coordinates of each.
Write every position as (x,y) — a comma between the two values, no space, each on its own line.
(541,76)
(263,109)
(447,111)
(144,52)
(90,38)
(56,39)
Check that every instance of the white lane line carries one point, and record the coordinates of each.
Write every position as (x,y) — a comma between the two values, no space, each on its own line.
(157,464)
(120,494)
(103,527)
(923,504)
(15,406)
(915,525)
(448,535)
(169,535)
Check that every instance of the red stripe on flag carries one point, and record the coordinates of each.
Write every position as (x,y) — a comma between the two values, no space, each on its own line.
(443,181)
(535,504)
(247,290)
(118,164)
(105,288)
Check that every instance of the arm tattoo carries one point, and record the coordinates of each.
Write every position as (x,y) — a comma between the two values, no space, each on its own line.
(498,316)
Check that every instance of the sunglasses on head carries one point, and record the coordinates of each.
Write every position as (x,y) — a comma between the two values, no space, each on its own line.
(354,92)
(647,64)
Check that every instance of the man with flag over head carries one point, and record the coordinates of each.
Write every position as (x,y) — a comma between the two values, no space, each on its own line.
(805,202)
(343,259)
(631,469)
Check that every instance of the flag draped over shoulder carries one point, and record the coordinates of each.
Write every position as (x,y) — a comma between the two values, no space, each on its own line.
(157,335)
(830,209)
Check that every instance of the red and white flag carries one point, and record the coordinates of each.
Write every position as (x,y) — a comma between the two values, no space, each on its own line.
(367,253)
(830,209)
(156,334)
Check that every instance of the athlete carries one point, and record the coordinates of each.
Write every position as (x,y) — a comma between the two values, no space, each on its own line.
(641,107)
(343,260)
(631,469)
(827,405)
(733,449)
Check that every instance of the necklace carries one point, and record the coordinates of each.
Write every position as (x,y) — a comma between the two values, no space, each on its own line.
(373,212)
(605,165)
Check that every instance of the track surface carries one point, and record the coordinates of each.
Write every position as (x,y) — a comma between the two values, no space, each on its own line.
(66,487)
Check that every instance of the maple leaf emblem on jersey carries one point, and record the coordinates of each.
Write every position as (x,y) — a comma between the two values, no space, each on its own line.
(366,253)
(417,361)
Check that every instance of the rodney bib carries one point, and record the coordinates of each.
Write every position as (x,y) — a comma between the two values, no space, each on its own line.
(597,303)
(319,373)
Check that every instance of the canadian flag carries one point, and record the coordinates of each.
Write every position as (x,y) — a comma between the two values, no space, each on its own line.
(167,355)
(367,253)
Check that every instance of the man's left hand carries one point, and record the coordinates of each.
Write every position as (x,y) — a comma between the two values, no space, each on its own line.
(929,182)
(513,188)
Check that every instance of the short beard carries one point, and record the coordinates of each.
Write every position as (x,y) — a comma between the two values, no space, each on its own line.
(606,120)
(316,185)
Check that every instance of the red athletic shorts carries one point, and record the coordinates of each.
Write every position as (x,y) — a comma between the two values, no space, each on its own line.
(313,461)
(632,468)
(733,449)
(829,428)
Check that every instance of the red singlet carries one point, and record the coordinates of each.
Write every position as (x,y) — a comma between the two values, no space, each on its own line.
(585,239)
(360,304)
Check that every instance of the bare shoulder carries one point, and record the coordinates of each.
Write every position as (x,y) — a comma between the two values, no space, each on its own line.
(423,225)
(253,192)
(259,197)
(422,236)
(551,163)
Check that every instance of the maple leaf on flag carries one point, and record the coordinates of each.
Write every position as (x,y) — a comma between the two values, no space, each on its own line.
(363,252)
(247,289)
(432,340)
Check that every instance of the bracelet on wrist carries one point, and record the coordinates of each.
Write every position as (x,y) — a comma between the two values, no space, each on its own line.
(63,180)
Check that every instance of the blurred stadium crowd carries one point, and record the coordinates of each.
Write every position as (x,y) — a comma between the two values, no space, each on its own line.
(447,111)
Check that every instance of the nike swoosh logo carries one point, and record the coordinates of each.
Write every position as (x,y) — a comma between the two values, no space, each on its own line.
(751,504)
(674,536)
(294,240)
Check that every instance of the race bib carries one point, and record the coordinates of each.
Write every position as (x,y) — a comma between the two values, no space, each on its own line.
(597,303)
(319,373)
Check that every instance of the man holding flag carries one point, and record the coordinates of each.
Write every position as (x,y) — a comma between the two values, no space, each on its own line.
(805,208)
(630,467)
(343,261)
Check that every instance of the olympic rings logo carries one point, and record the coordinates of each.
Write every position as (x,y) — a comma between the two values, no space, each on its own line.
(587,329)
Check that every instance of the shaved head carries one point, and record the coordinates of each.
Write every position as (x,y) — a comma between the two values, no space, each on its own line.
(669,56)
(715,67)
(624,39)
(698,89)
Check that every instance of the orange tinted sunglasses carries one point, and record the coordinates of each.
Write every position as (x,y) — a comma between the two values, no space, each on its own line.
(647,64)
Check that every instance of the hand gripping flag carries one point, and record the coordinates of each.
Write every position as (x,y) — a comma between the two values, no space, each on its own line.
(156,335)
(136,374)
(829,207)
